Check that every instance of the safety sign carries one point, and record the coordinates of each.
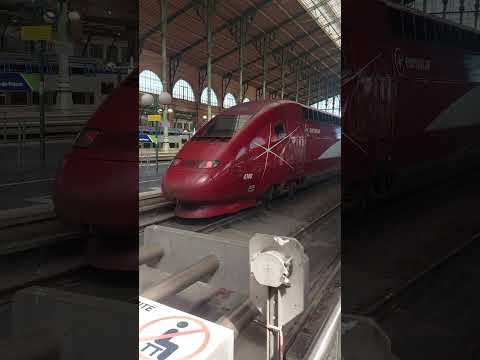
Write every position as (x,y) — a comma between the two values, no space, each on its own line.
(169,334)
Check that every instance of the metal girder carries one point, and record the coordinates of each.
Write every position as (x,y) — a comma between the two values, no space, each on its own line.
(221,28)
(158,27)
(288,62)
(173,65)
(285,11)
(225,83)
(202,76)
(245,89)
(278,49)
(293,18)
(318,85)
(256,38)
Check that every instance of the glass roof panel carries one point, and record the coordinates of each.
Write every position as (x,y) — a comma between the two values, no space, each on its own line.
(327,14)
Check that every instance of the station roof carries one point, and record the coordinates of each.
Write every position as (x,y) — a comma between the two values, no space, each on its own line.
(306,31)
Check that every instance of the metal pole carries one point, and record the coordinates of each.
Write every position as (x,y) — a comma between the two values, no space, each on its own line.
(242,49)
(297,79)
(41,93)
(264,65)
(181,280)
(209,60)
(444,10)
(325,336)
(274,345)
(477,10)
(461,10)
(166,141)
(309,89)
(148,253)
(64,90)
(239,317)
(283,74)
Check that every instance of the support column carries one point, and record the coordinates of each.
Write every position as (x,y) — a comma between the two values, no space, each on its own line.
(477,11)
(298,80)
(209,60)
(64,89)
(283,75)
(461,9)
(309,89)
(166,140)
(264,67)
(243,30)
(444,10)
(41,90)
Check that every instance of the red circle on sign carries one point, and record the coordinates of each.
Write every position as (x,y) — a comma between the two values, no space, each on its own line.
(203,329)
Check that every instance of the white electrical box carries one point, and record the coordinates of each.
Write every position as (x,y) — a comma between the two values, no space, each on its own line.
(169,334)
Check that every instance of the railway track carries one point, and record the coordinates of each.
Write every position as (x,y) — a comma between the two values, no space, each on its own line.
(381,306)
(243,314)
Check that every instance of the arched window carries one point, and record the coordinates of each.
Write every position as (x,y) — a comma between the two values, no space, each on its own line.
(246,100)
(149,82)
(182,90)
(213,97)
(229,101)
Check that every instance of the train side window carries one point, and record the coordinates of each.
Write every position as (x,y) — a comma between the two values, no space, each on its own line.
(305,114)
(420,30)
(279,130)
(409,27)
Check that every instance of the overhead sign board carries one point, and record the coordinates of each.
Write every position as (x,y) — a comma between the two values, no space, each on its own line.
(36,33)
(154,117)
(169,334)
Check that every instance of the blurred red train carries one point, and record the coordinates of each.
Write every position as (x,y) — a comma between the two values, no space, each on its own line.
(410,99)
(248,152)
(97,185)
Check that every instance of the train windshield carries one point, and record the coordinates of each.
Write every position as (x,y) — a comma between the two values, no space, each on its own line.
(223,126)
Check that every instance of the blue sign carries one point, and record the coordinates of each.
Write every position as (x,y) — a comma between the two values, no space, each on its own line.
(13,82)
(143,138)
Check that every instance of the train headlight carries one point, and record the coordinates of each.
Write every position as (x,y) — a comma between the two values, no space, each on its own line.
(208,164)
(175,162)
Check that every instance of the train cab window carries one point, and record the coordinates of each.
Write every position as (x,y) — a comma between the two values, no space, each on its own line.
(279,131)
(223,126)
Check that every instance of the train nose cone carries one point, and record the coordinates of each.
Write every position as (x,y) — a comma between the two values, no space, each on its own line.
(187,186)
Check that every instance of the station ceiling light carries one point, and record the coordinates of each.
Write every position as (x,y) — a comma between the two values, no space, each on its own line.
(328,14)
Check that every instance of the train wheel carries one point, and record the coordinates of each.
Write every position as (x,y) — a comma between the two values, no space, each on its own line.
(268,197)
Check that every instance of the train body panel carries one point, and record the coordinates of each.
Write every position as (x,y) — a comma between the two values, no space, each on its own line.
(97,185)
(247,150)
(409,98)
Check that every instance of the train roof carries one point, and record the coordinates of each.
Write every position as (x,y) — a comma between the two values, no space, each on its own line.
(253,107)
(437,19)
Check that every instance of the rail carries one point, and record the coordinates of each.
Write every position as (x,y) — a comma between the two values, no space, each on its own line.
(326,343)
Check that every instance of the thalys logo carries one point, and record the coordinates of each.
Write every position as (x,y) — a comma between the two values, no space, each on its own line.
(404,63)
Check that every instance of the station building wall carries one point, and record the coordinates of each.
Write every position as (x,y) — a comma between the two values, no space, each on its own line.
(152,61)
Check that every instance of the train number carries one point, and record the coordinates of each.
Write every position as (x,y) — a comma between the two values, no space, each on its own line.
(248,176)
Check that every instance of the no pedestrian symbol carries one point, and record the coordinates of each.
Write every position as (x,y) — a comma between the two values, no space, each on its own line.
(172,338)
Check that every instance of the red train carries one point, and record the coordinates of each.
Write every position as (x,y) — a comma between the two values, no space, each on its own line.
(97,185)
(410,99)
(249,152)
